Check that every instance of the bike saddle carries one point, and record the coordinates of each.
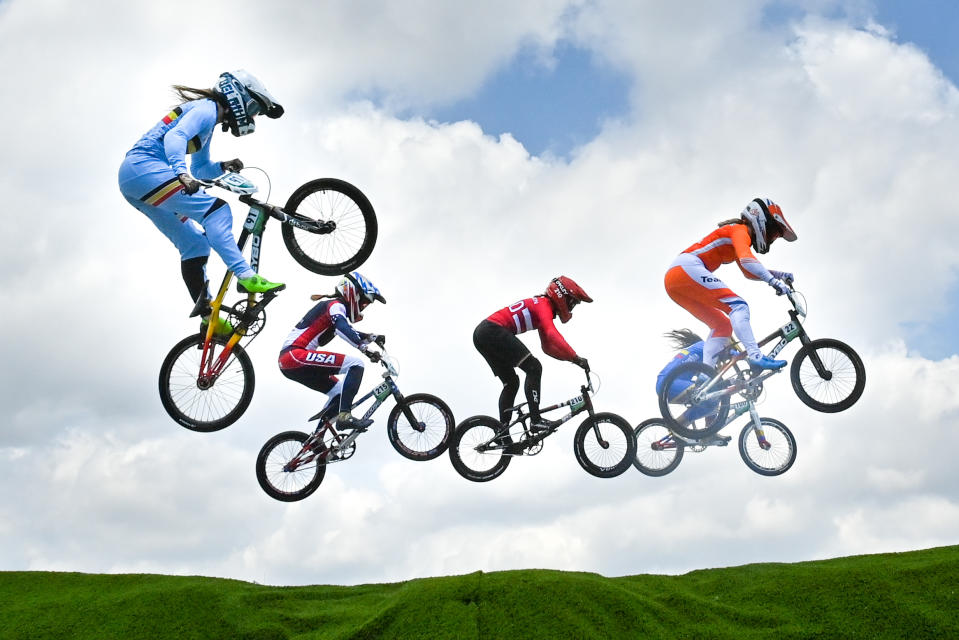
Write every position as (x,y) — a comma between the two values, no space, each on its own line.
(201,308)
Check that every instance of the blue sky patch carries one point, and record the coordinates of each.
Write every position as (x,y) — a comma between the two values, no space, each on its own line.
(547,108)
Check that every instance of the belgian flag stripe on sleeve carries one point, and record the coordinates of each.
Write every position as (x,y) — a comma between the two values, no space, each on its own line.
(173,115)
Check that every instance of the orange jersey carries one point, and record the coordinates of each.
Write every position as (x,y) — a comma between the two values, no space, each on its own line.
(729,243)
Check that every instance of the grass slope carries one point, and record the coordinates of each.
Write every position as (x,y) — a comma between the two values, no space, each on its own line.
(903,595)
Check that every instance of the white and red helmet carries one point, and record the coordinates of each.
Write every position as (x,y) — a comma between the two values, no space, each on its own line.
(767,221)
(565,294)
(357,292)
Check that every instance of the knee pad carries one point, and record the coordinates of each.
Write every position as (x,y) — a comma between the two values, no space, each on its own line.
(531,366)
(738,311)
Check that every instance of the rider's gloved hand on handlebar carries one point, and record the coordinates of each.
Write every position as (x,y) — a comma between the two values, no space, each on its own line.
(235,165)
(780,286)
(785,276)
(581,362)
(372,355)
(190,184)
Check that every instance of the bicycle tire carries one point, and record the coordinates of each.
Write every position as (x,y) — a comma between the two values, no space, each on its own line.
(436,420)
(699,374)
(270,472)
(216,407)
(471,464)
(349,244)
(775,460)
(848,376)
(611,460)
(659,461)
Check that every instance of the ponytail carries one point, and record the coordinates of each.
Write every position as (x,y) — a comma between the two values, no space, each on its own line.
(682,338)
(188,94)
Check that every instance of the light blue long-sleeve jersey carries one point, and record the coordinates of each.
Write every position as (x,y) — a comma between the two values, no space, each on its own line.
(148,181)
(187,129)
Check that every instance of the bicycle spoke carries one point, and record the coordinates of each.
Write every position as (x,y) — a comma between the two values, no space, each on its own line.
(282,480)
(478,461)
(656,449)
(839,386)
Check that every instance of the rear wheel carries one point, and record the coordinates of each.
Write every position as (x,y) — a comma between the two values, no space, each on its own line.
(347,224)
(682,413)
(772,454)
(203,403)
(420,427)
(837,384)
(474,454)
(658,452)
(604,445)
(288,471)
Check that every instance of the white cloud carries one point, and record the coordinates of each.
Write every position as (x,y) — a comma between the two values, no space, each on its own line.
(851,131)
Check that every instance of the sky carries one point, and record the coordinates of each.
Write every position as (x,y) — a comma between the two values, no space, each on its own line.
(591,138)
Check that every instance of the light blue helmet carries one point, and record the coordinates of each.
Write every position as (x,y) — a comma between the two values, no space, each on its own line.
(354,289)
(245,97)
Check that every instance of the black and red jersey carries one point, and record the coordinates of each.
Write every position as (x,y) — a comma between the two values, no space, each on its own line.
(535,313)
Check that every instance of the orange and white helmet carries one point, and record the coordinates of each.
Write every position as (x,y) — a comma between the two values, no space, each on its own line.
(565,294)
(767,221)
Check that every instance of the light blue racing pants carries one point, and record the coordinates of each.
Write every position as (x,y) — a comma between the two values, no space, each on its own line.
(151,186)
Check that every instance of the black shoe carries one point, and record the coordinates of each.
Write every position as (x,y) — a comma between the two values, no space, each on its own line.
(345,421)
(542,424)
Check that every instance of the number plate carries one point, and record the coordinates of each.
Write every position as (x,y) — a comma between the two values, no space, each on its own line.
(382,392)
(790,331)
(577,403)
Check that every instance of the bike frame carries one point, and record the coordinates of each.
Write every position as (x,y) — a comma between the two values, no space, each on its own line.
(737,409)
(379,393)
(211,367)
(785,334)
(253,227)
(577,405)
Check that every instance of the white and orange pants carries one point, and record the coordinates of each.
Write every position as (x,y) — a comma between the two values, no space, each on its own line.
(693,287)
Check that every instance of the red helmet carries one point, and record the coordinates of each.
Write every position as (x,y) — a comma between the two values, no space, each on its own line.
(565,294)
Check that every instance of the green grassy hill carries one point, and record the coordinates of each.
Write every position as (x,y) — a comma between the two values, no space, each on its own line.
(903,595)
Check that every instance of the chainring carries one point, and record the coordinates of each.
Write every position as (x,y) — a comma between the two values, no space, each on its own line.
(240,316)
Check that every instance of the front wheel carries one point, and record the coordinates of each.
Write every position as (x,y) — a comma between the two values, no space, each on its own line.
(828,375)
(685,414)
(474,454)
(658,452)
(420,427)
(346,227)
(769,452)
(197,400)
(287,470)
(604,445)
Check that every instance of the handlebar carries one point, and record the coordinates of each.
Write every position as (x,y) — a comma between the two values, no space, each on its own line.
(388,362)
(593,388)
(232,182)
